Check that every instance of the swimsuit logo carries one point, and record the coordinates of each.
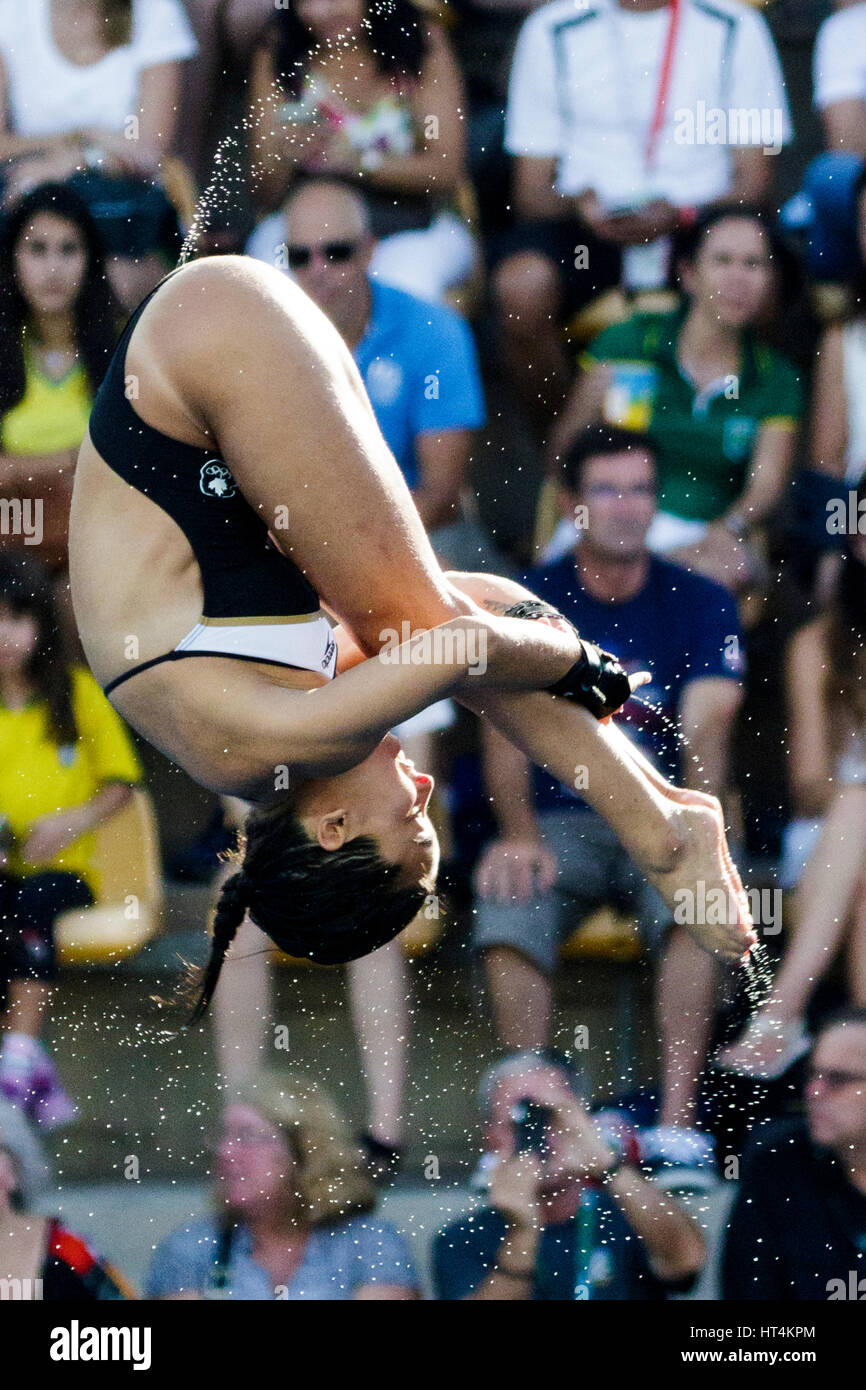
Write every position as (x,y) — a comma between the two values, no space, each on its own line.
(216,480)
(329,652)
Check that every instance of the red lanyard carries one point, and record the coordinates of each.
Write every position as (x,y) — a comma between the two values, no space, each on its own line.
(665,76)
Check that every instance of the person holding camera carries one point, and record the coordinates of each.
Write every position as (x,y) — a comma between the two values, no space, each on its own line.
(567,1212)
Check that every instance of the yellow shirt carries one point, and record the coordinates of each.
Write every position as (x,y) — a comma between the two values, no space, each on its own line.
(39,778)
(51,415)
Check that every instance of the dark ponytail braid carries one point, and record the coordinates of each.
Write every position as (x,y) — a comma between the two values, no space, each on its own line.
(230,911)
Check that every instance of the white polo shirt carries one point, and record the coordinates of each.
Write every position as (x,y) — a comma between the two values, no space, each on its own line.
(839,61)
(584,84)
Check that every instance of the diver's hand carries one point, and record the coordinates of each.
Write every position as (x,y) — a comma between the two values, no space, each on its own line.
(596,680)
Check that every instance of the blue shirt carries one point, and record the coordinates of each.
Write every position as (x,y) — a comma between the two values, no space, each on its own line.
(680,627)
(338,1259)
(420,368)
(615,1264)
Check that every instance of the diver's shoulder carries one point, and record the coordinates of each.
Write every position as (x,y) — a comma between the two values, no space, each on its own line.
(217,279)
(218,304)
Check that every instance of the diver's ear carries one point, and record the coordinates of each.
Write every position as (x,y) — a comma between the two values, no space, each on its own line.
(331,830)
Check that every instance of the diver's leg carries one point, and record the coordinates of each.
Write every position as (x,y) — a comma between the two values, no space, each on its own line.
(677,838)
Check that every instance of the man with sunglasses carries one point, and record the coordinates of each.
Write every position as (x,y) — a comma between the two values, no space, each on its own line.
(418,360)
(798,1227)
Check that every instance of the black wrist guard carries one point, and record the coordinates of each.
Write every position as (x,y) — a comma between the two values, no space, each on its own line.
(597,680)
(534,608)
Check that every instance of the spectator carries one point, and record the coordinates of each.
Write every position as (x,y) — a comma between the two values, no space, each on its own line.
(607,119)
(798,1228)
(418,361)
(371,93)
(66,765)
(721,406)
(23,1142)
(654,616)
(580,1221)
(224,30)
(484,38)
(58,321)
(839,406)
(827,749)
(828,205)
(293,1211)
(89,90)
(40,1248)
(840,77)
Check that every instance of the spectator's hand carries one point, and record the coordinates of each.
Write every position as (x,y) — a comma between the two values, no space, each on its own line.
(514,1188)
(721,556)
(325,150)
(25,174)
(51,834)
(515,870)
(589,206)
(581,1150)
(342,159)
(654,219)
(120,155)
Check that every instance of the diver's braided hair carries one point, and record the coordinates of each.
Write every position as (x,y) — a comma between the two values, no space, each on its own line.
(230,911)
(328,906)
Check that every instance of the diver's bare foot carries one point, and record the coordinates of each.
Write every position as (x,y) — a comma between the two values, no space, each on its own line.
(703,887)
(686,796)
(766,1049)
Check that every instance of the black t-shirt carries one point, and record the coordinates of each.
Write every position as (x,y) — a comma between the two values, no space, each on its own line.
(464,1253)
(797,1223)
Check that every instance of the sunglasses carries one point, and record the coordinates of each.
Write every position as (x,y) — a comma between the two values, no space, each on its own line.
(338,252)
(835,1080)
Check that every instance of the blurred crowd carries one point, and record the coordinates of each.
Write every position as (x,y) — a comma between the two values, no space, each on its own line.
(605,283)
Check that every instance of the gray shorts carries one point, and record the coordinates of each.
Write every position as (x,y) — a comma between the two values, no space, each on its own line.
(594,871)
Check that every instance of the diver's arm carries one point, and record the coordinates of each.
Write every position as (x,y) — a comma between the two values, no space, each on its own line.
(335,726)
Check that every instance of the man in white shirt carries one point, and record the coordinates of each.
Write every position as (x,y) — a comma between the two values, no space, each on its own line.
(624,118)
(839,75)
(831,181)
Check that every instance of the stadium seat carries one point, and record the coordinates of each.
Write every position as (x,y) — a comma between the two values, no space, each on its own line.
(128,909)
(604,935)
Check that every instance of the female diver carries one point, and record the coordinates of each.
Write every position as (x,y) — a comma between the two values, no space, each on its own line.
(235,502)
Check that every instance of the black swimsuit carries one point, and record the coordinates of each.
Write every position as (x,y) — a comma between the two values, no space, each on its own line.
(257,605)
